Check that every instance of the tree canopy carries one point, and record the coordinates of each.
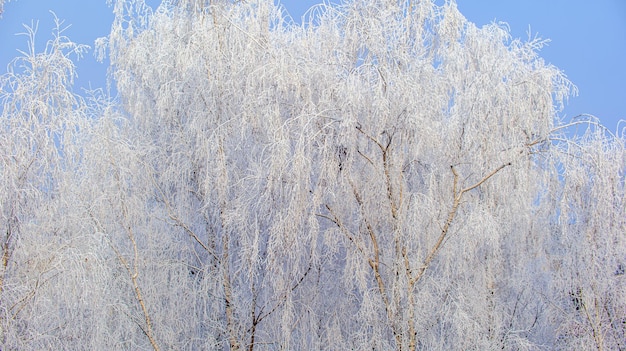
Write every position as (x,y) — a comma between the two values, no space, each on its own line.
(384,176)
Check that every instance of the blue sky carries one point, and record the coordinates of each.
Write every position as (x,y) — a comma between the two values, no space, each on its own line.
(588,40)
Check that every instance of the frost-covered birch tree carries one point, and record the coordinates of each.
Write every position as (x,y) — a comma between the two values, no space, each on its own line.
(587,245)
(44,251)
(384,176)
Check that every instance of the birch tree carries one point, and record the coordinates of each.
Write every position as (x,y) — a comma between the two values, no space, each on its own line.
(386,175)
(588,246)
(43,247)
(387,117)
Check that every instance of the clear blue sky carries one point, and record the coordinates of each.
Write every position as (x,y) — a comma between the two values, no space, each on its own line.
(588,39)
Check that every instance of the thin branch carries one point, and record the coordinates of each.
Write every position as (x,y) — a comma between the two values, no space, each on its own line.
(485,178)
(444,231)
(344,230)
(180,223)
(360,129)
(262,316)
(365,156)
